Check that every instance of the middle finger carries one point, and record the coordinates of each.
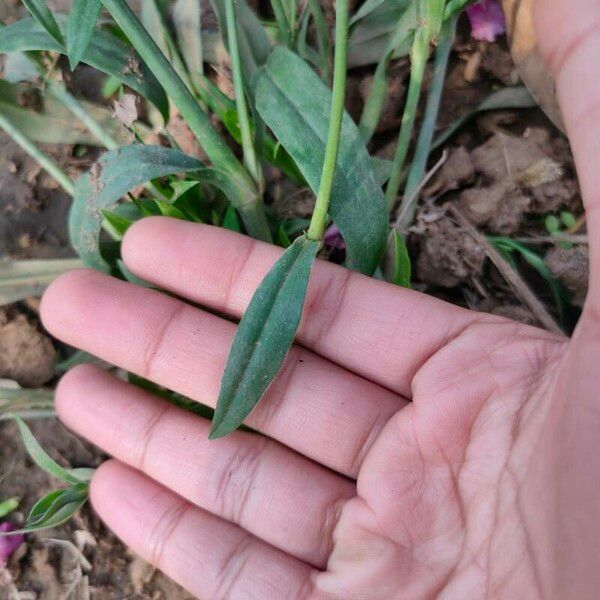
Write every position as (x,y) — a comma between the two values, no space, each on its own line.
(313,406)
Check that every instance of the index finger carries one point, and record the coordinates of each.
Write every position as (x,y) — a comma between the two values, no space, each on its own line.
(383,332)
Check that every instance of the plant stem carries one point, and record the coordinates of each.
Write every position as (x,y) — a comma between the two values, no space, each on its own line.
(285,28)
(418,62)
(42,159)
(250,161)
(423,148)
(247,199)
(318,222)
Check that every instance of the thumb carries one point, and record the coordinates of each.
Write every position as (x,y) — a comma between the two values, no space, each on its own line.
(568,33)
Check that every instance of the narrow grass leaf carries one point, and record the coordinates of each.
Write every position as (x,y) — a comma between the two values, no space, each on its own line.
(371,34)
(54,509)
(116,173)
(401,271)
(300,122)
(105,52)
(42,14)
(80,27)
(41,458)
(505,98)
(264,336)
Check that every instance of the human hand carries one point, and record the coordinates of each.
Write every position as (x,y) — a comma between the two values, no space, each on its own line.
(410,449)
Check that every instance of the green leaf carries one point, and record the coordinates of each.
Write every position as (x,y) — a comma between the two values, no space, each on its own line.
(505,98)
(41,13)
(80,27)
(112,177)
(225,109)
(117,223)
(231,220)
(106,52)
(401,272)
(54,509)
(536,262)
(300,122)
(9,505)
(371,34)
(264,336)
(41,458)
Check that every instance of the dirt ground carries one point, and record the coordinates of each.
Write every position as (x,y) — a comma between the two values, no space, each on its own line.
(506,172)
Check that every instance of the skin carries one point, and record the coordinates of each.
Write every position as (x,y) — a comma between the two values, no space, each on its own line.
(410,449)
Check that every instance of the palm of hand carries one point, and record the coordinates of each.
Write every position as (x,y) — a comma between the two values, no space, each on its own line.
(485,485)
(447,504)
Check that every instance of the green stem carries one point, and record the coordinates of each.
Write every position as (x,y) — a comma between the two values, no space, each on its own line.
(247,198)
(44,161)
(423,148)
(318,222)
(250,161)
(282,22)
(418,62)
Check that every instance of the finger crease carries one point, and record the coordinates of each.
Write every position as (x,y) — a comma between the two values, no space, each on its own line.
(164,530)
(232,567)
(153,348)
(148,433)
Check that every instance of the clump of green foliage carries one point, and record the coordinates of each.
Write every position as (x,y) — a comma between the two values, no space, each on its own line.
(160,57)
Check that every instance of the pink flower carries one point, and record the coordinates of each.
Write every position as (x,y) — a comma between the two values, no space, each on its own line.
(333,238)
(9,543)
(487,20)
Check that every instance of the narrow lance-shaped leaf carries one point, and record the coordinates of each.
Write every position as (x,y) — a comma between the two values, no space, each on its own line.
(54,509)
(264,336)
(300,122)
(105,52)
(42,14)
(112,177)
(41,457)
(80,26)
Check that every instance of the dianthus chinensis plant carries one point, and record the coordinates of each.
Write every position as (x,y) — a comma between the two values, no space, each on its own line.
(289,86)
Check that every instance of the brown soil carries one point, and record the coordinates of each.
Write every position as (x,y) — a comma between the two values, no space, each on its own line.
(506,171)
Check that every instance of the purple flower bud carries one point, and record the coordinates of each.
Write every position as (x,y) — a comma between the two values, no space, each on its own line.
(9,543)
(333,238)
(487,20)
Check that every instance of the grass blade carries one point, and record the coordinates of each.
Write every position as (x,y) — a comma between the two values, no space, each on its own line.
(80,26)
(41,458)
(264,336)
(505,98)
(41,13)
